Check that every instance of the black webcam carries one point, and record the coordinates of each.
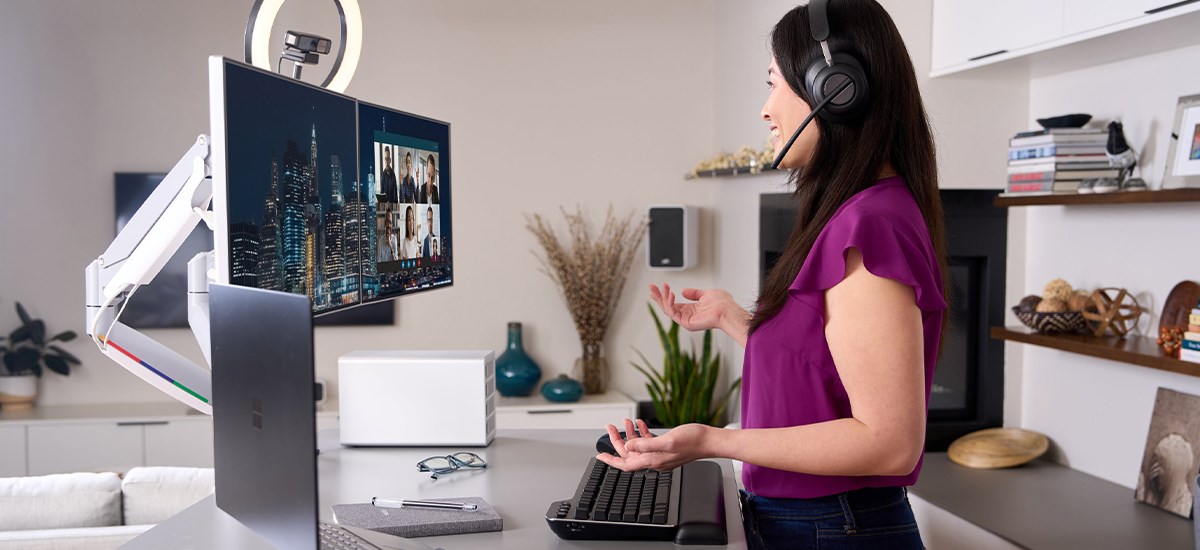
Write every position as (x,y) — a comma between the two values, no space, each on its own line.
(307,43)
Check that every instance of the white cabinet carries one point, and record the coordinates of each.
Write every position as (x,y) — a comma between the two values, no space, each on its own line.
(969,30)
(1086,15)
(591,412)
(113,437)
(83,447)
(12,451)
(179,443)
(973,33)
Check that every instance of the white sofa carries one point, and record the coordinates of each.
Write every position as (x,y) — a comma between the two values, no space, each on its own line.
(94,511)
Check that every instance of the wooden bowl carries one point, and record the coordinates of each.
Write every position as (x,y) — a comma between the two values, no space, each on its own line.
(998,448)
(1066,321)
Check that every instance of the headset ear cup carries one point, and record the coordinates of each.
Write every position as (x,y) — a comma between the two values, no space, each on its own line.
(821,79)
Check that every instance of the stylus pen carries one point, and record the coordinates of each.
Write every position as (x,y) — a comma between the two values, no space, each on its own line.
(387,503)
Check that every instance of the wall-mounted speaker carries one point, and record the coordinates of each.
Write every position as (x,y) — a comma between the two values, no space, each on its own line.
(322,392)
(672,238)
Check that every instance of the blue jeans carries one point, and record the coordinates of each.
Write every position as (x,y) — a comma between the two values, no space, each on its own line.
(859,519)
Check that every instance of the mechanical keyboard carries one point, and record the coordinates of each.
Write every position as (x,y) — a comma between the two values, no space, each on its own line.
(686,505)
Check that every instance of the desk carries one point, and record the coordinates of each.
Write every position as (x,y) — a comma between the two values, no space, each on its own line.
(1047,505)
(527,470)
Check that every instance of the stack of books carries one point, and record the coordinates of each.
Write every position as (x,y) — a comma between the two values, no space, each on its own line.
(1189,349)
(1055,160)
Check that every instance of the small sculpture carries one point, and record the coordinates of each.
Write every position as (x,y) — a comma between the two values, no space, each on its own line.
(1115,309)
(1122,156)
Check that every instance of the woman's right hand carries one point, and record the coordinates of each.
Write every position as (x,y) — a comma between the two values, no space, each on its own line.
(711,308)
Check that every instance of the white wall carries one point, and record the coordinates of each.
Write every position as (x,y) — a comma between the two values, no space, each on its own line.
(552,104)
(1098,412)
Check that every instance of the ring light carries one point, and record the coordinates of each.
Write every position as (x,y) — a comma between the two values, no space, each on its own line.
(262,20)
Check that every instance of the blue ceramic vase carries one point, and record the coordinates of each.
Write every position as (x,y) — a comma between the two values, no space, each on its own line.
(516,373)
(562,389)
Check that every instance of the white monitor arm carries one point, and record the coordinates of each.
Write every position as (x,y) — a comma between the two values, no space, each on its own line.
(135,257)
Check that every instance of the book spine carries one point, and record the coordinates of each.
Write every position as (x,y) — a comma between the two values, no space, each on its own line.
(1031,152)
(1062,160)
(1191,345)
(1044,141)
(1192,336)
(1189,355)
(1022,153)
(1031,176)
(1194,318)
(1030,186)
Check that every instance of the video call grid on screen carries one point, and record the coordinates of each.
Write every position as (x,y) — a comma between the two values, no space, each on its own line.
(407,171)
(298,218)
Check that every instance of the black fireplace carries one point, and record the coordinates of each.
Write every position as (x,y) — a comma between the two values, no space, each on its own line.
(968,385)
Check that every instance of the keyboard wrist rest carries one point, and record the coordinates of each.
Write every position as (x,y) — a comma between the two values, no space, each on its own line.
(701,504)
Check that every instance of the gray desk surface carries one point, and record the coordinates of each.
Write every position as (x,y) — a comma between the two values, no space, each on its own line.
(527,470)
(1046,505)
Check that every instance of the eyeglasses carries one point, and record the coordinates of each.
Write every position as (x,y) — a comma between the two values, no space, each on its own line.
(439,465)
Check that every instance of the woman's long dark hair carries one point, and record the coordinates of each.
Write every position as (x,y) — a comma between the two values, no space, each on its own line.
(850,156)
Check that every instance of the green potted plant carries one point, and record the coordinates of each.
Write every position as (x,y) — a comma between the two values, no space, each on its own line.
(27,353)
(683,391)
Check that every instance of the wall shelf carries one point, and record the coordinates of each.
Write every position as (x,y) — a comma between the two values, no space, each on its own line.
(1134,350)
(1123,197)
(724,172)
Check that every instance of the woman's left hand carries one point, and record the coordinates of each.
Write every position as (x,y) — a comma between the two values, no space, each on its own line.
(665,452)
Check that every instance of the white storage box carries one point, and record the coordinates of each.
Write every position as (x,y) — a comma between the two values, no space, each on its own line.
(417,398)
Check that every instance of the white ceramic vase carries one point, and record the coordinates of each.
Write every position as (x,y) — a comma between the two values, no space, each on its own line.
(18,392)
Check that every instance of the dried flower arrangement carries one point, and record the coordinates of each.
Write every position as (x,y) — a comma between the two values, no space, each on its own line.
(590,272)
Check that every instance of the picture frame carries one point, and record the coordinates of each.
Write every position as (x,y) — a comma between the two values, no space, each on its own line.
(1170,460)
(1183,151)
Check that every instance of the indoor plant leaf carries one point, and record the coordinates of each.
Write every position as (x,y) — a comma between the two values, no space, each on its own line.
(724,402)
(57,364)
(23,360)
(24,315)
(64,336)
(37,332)
(66,355)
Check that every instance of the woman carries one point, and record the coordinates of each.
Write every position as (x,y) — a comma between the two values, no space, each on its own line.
(841,345)
(409,247)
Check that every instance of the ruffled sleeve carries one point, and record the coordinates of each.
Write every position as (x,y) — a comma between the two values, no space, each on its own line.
(896,251)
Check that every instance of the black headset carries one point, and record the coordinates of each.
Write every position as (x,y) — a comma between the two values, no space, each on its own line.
(836,82)
(827,74)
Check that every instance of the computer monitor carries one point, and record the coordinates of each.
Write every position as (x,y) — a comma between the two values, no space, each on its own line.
(405,160)
(308,196)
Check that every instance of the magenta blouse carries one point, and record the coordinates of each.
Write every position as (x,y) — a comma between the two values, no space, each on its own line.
(789,378)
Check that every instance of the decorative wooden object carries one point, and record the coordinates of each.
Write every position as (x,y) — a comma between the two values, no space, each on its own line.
(1181,300)
(1116,309)
(997,448)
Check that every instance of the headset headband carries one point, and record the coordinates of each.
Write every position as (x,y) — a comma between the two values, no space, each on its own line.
(818,20)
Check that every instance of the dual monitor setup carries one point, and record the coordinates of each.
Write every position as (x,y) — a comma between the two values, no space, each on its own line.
(312,193)
(314,200)
(318,203)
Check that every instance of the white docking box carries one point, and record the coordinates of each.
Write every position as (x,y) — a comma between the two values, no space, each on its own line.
(417,398)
